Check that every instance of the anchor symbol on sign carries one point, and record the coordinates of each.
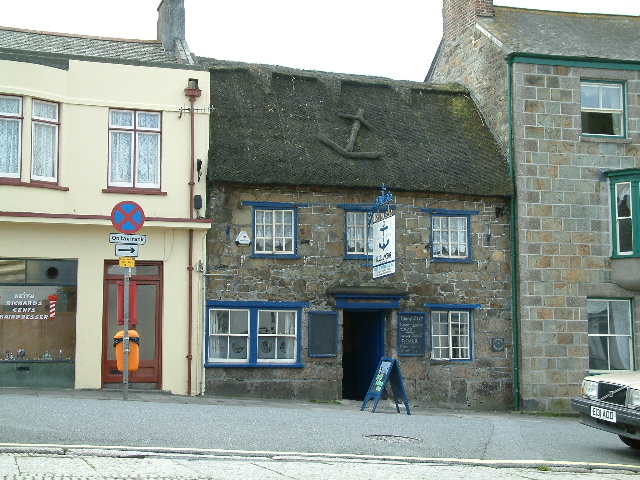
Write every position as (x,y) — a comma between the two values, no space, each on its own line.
(384,244)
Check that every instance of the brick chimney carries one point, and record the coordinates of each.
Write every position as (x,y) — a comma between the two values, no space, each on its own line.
(458,15)
(171,20)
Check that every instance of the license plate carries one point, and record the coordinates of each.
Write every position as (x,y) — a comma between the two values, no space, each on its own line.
(603,414)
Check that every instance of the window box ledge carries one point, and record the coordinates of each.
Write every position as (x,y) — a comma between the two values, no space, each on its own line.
(625,272)
(604,139)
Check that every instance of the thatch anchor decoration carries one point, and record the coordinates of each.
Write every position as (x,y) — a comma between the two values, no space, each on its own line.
(358,121)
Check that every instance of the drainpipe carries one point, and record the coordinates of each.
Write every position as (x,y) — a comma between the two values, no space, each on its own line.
(514,244)
(192,91)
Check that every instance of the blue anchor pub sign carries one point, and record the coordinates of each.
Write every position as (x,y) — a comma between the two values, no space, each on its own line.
(383,231)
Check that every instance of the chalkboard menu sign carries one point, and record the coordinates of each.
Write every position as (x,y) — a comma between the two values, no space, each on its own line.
(323,334)
(388,371)
(412,339)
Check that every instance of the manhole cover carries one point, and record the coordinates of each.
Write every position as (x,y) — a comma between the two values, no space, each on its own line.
(393,438)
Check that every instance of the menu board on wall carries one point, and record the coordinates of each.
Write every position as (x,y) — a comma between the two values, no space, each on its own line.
(412,339)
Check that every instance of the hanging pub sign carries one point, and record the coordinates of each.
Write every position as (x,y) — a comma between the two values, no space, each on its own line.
(388,371)
(384,245)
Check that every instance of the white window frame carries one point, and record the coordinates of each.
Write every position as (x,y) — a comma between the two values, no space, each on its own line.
(12,118)
(450,233)
(451,335)
(136,131)
(357,239)
(283,332)
(273,234)
(617,324)
(617,114)
(45,130)
(228,342)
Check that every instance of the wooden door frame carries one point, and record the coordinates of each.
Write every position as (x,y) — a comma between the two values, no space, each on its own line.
(107,343)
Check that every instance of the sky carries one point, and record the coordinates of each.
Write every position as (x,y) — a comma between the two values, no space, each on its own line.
(395,39)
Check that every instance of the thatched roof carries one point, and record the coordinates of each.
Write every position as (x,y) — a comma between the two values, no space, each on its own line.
(278,126)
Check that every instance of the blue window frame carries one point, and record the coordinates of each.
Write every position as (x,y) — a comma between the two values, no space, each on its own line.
(357,234)
(275,227)
(253,334)
(452,332)
(450,238)
(602,108)
(625,221)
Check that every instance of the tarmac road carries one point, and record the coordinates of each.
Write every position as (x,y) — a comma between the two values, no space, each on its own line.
(155,425)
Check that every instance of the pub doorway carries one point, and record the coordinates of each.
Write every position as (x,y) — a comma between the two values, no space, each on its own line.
(362,345)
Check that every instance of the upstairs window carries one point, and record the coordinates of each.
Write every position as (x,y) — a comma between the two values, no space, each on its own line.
(45,126)
(451,235)
(602,109)
(274,231)
(10,136)
(625,201)
(358,243)
(134,149)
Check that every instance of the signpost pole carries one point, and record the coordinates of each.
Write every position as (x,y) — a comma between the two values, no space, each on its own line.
(125,339)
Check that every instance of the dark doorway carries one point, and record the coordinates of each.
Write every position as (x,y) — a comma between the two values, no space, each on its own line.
(363,346)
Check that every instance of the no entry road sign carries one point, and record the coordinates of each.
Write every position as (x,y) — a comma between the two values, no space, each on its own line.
(127,217)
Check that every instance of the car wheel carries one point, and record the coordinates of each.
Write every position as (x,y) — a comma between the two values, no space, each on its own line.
(631,442)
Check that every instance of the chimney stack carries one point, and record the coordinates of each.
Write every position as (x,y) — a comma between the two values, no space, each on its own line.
(458,15)
(171,23)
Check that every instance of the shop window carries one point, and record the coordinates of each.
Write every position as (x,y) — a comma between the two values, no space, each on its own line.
(602,109)
(37,309)
(610,336)
(253,334)
(134,149)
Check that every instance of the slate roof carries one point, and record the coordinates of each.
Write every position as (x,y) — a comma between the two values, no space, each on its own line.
(610,37)
(280,126)
(85,46)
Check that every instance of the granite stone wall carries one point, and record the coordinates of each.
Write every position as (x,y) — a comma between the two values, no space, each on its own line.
(563,215)
(234,274)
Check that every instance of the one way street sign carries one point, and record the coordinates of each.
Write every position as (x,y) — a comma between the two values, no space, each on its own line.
(127,250)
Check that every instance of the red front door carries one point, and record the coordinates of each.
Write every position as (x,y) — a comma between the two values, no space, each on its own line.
(148,276)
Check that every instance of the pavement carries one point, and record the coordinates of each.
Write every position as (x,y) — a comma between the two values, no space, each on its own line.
(67,460)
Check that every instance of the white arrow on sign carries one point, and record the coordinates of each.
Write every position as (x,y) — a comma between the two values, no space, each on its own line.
(127,250)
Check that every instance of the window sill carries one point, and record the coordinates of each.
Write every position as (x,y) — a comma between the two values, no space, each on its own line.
(275,255)
(254,365)
(604,139)
(20,183)
(449,260)
(136,191)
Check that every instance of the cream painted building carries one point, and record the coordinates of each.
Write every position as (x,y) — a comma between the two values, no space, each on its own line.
(86,124)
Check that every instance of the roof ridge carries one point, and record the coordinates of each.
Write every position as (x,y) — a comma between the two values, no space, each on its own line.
(74,35)
(555,12)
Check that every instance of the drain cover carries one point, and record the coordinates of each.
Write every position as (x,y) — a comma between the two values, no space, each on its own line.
(393,438)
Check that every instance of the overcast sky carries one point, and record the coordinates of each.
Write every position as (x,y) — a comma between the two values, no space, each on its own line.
(395,39)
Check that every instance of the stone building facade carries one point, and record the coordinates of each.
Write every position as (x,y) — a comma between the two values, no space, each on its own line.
(573,161)
(485,382)
(312,290)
